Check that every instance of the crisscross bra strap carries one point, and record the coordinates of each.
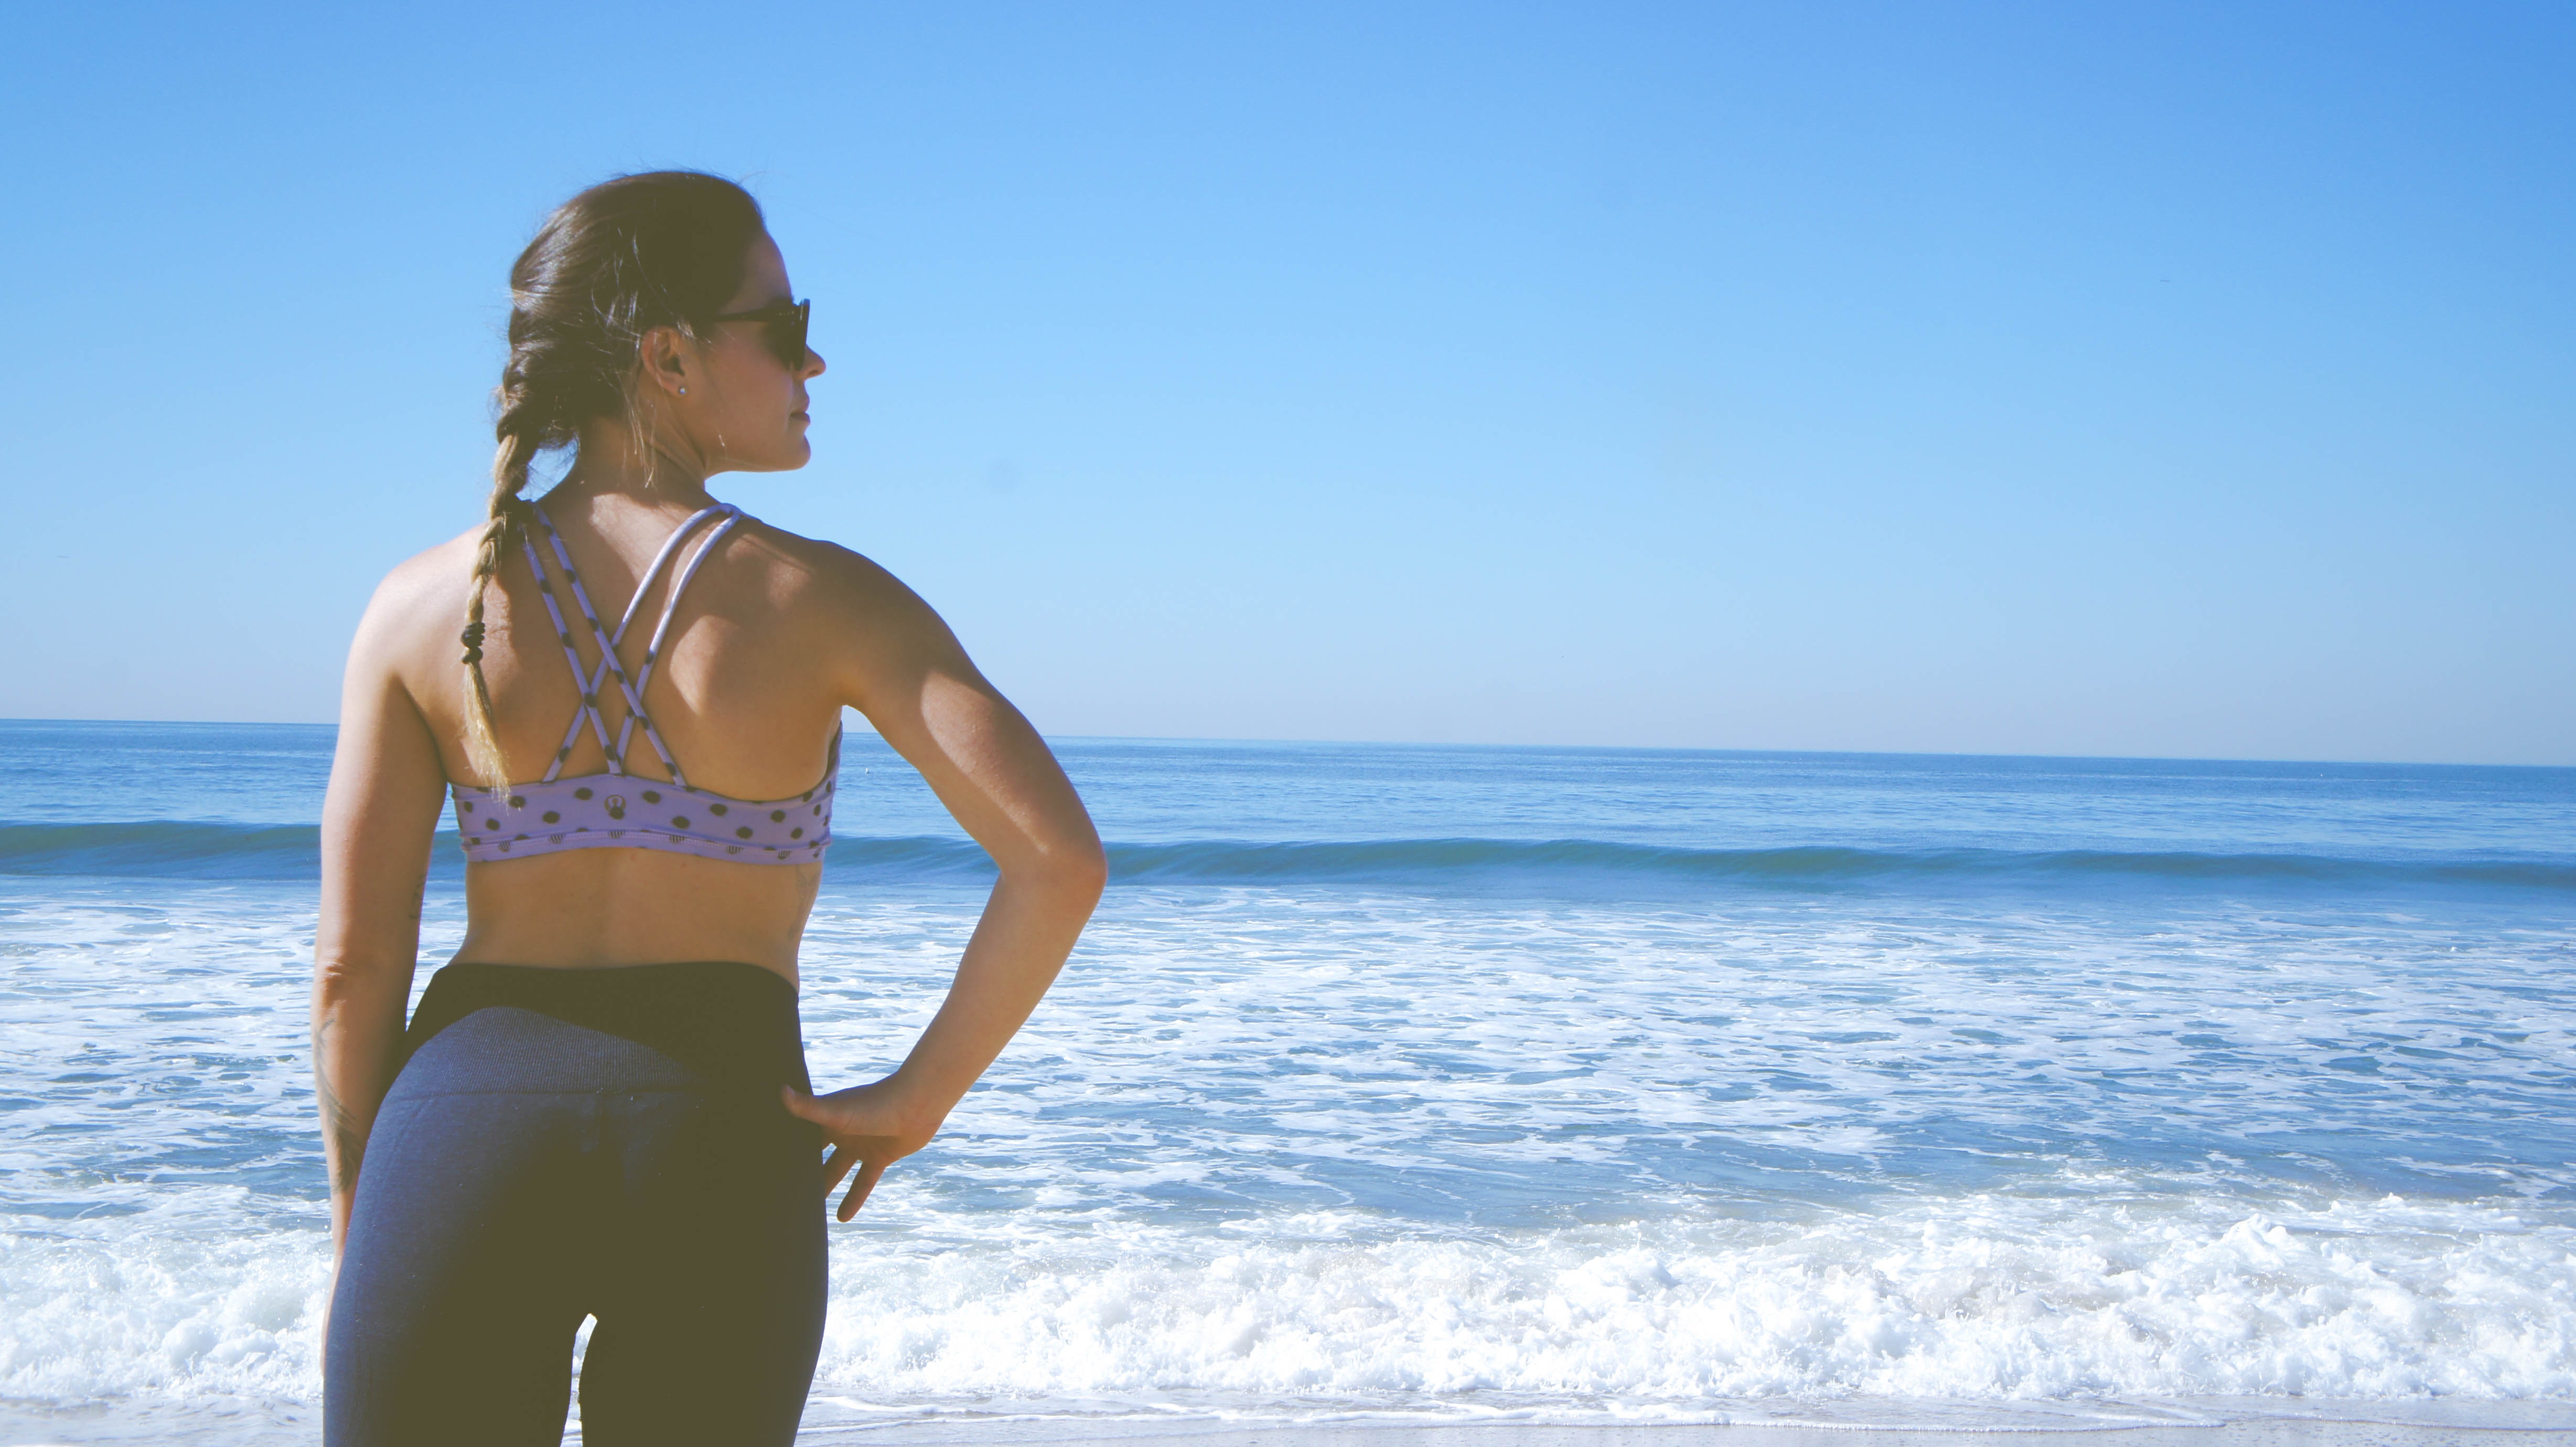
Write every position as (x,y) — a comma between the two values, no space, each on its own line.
(662,630)
(589,680)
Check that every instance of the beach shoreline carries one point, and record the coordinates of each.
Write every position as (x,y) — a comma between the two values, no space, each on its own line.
(2288,1423)
(2353,1425)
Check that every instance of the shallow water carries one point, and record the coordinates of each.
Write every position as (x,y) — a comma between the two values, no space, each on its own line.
(1463,1083)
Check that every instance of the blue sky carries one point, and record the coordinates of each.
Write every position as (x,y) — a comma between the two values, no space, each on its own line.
(2113,379)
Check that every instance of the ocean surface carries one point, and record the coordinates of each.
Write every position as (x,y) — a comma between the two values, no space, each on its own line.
(1460,1084)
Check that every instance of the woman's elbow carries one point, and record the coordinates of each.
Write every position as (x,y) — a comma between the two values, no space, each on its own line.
(1073,870)
(1064,864)
(1083,870)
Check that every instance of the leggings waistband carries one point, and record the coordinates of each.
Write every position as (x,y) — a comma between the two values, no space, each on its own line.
(711,1023)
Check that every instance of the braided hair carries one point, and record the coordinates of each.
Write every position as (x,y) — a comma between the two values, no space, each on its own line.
(659,249)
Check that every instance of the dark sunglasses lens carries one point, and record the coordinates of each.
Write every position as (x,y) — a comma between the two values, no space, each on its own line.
(787,335)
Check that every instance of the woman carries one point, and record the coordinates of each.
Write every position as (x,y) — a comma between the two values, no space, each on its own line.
(600,1107)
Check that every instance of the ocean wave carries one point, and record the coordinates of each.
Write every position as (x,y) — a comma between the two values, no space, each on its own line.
(1920,1309)
(163,849)
(1404,860)
(1983,1297)
(207,850)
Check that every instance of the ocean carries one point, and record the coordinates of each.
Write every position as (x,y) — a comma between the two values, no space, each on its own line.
(1444,1084)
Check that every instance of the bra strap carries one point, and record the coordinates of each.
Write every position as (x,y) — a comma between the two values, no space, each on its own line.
(670,606)
(588,680)
(587,685)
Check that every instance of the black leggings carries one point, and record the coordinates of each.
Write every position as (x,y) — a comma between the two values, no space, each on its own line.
(571,1143)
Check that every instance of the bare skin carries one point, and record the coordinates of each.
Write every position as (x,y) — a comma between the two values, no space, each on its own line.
(777,634)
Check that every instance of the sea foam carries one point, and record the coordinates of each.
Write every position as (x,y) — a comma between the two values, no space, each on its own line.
(2095,1292)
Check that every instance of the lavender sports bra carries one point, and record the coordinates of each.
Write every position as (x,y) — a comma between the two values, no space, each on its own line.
(615,809)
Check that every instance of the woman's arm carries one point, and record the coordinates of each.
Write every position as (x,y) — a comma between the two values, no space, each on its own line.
(997,777)
(383,806)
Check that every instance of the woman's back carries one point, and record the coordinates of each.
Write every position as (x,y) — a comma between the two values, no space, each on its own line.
(764,645)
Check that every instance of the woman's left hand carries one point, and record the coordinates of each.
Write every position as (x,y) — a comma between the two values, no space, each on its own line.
(868,1127)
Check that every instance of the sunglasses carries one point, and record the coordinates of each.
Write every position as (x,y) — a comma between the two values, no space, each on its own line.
(783,329)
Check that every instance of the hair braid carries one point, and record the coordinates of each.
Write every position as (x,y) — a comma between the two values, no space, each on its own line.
(509,477)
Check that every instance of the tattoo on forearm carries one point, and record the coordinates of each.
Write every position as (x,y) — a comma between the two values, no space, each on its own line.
(343,1139)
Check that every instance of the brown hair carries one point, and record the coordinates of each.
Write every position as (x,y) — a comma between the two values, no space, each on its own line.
(659,249)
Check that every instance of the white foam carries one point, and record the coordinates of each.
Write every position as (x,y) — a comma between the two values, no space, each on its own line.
(176,1301)
(2006,1298)
(2087,1295)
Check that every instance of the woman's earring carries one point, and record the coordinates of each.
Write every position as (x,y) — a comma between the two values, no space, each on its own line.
(684,391)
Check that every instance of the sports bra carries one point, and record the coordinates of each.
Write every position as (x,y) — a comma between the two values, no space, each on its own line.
(615,809)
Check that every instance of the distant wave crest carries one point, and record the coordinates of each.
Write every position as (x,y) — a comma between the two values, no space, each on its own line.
(206,850)
(1399,860)
(163,848)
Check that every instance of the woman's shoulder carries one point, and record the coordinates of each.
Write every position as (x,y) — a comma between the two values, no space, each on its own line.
(409,634)
(429,585)
(828,576)
(851,610)
(446,566)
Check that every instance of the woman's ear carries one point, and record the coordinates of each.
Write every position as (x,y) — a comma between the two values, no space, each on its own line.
(664,354)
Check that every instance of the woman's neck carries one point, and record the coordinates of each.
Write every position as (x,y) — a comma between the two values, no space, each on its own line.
(608,462)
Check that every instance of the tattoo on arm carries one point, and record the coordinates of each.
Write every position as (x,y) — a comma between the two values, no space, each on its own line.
(351,1141)
(346,1141)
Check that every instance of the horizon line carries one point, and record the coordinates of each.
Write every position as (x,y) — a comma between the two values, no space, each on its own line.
(1559,747)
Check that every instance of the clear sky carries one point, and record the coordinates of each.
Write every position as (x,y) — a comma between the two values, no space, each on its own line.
(2154,379)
